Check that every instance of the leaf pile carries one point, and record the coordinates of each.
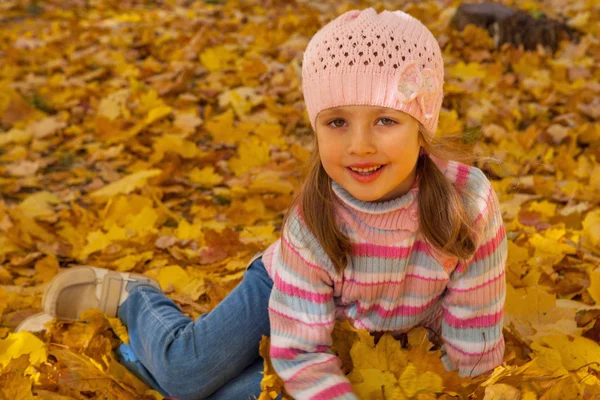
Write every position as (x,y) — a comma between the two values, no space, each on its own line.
(168,137)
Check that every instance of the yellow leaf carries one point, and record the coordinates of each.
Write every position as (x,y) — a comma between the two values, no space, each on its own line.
(126,185)
(544,207)
(185,231)
(591,227)
(240,104)
(268,181)
(429,382)
(98,240)
(143,222)
(502,391)
(222,130)
(466,71)
(173,144)
(246,212)
(372,383)
(29,226)
(218,58)
(408,380)
(580,20)
(114,105)
(4,298)
(187,122)
(18,387)
(205,177)
(575,351)
(46,268)
(300,153)
(528,302)
(157,113)
(566,388)
(252,152)
(118,209)
(16,136)
(270,133)
(17,344)
(119,329)
(172,275)
(46,126)
(545,246)
(130,261)
(38,204)
(594,289)
(260,234)
(449,123)
(419,338)
(549,360)
(528,395)
(7,246)
(148,101)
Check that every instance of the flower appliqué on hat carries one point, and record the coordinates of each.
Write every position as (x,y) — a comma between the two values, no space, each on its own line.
(414,83)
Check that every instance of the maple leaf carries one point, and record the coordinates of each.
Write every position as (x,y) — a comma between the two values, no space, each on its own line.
(127,184)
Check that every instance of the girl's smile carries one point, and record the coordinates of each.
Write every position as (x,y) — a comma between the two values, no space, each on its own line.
(366,174)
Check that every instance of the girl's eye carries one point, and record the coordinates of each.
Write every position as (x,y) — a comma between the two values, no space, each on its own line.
(390,122)
(334,121)
(387,119)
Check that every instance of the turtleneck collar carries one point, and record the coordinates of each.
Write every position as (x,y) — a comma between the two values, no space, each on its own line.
(397,214)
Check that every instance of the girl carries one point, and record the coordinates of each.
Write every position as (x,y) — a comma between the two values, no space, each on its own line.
(383,233)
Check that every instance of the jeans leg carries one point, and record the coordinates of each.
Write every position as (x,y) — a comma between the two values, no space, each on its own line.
(126,357)
(192,360)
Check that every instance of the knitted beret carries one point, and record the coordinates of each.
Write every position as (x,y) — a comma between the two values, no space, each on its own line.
(363,58)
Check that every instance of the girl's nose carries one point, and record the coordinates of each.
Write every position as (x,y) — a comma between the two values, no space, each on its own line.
(361,142)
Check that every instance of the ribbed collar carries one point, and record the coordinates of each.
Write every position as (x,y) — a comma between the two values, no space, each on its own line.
(397,214)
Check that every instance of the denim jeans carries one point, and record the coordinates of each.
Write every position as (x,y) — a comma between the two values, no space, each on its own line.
(214,357)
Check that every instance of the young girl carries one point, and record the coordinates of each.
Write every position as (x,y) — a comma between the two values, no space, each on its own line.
(383,233)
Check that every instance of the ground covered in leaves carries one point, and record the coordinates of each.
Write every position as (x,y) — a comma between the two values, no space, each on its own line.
(167,137)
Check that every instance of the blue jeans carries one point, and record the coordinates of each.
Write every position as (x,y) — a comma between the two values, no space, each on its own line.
(214,357)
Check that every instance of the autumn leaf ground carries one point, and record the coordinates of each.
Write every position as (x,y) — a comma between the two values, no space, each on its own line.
(168,137)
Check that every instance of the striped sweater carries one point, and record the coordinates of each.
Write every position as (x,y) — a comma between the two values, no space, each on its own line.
(394,281)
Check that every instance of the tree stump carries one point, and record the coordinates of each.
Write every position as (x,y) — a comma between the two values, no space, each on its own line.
(507,25)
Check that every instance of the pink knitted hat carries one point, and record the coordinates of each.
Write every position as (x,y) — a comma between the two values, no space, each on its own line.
(389,59)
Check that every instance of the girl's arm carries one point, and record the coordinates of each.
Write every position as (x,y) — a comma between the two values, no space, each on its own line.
(473,307)
(302,317)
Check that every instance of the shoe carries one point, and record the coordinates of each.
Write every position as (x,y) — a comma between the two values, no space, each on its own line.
(77,289)
(34,323)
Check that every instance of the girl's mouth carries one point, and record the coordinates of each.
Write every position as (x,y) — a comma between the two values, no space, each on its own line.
(366,176)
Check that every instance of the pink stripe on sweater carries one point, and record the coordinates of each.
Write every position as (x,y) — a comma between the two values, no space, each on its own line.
(313,366)
(485,249)
(282,315)
(297,254)
(486,283)
(396,311)
(413,276)
(450,347)
(288,353)
(486,210)
(481,321)
(462,173)
(334,391)
(374,250)
(295,291)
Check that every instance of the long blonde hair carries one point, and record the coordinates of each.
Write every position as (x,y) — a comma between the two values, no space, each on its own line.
(443,219)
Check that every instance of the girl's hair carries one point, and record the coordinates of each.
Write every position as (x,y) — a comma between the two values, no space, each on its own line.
(443,219)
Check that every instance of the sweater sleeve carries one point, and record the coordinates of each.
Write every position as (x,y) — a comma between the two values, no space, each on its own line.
(302,317)
(473,306)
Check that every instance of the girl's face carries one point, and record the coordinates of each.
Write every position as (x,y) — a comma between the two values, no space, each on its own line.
(366,137)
